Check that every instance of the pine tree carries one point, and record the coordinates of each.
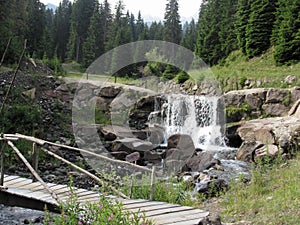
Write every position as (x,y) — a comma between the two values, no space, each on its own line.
(82,12)
(190,37)
(156,31)
(91,46)
(286,35)
(259,28)
(61,28)
(172,24)
(243,15)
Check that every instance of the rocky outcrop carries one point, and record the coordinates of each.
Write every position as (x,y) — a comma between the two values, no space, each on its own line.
(259,102)
(269,136)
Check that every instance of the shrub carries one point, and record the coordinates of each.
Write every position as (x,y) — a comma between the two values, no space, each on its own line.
(182,77)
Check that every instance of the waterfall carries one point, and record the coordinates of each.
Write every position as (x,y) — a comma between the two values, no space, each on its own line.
(200,117)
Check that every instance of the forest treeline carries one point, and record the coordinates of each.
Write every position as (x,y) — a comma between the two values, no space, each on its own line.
(85,29)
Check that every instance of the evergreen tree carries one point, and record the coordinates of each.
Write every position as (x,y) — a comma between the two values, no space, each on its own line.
(286,35)
(172,24)
(190,36)
(216,30)
(106,23)
(36,26)
(82,12)
(61,28)
(156,31)
(259,28)
(243,15)
(91,47)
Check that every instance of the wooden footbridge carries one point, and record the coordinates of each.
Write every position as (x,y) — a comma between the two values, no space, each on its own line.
(36,194)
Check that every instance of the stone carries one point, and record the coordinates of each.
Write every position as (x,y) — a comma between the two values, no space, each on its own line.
(254,101)
(133,157)
(152,156)
(295,110)
(201,162)
(247,151)
(101,104)
(275,109)
(276,95)
(264,135)
(179,150)
(211,187)
(109,92)
(121,155)
(131,145)
(267,150)
(30,93)
(295,94)
(290,79)
(212,219)
(62,88)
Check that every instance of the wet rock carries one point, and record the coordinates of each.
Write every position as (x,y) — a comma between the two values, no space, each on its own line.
(152,156)
(211,187)
(119,155)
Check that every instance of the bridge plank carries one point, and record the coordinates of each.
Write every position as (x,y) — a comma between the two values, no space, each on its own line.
(176,217)
(160,212)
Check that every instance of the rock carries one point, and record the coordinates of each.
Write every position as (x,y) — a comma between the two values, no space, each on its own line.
(212,219)
(295,110)
(133,157)
(131,145)
(62,88)
(247,150)
(275,109)
(267,150)
(101,104)
(211,187)
(290,79)
(201,162)
(179,150)
(234,140)
(276,95)
(152,156)
(108,133)
(295,94)
(109,92)
(30,93)
(121,155)
(182,142)
(279,131)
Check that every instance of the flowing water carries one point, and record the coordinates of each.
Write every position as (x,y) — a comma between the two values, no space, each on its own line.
(198,116)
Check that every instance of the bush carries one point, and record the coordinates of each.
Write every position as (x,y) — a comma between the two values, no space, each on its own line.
(182,77)
(20,119)
(170,72)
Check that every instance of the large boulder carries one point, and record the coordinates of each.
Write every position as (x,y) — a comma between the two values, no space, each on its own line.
(268,136)
(179,150)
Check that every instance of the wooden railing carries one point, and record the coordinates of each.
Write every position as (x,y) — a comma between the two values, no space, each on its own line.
(39,144)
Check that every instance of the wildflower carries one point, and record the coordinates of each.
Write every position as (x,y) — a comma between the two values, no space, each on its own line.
(100,207)
(111,217)
(80,223)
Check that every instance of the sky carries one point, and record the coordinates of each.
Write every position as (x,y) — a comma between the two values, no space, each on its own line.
(153,8)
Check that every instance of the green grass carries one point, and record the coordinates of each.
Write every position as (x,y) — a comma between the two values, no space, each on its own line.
(272,196)
(237,68)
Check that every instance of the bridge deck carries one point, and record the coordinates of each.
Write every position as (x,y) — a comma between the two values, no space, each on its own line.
(25,193)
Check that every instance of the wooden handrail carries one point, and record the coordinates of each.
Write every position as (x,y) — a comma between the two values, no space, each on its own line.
(34,173)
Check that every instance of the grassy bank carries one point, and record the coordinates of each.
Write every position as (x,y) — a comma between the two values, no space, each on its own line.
(272,196)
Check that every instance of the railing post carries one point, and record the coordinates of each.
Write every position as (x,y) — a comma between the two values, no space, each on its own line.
(2,163)
(152,183)
(35,159)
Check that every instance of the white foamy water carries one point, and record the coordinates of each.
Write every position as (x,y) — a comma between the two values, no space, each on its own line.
(197,116)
